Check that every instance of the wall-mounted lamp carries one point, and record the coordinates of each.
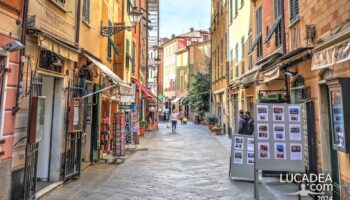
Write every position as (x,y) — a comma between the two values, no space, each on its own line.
(290,73)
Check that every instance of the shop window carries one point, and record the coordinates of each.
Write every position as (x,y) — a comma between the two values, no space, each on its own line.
(50,61)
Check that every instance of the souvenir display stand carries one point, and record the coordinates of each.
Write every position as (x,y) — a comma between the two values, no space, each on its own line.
(118,144)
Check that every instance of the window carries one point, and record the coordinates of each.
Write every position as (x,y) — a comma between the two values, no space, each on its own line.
(222,50)
(258,31)
(242,45)
(218,61)
(278,15)
(214,65)
(231,59)
(205,38)
(236,7)
(299,91)
(236,60)
(293,10)
(127,57)
(250,41)
(86,11)
(133,57)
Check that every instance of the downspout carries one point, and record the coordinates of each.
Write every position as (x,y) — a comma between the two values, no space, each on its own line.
(77,23)
(228,72)
(22,58)
(286,78)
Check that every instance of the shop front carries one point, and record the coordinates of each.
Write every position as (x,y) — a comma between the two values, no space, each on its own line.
(331,61)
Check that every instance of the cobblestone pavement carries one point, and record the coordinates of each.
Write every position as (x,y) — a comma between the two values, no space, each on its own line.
(189,164)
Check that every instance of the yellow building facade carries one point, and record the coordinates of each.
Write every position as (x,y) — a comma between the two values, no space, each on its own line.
(219,105)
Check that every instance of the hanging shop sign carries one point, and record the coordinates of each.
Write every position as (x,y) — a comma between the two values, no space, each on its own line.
(340,113)
(242,157)
(279,142)
(128,96)
(333,55)
(128,107)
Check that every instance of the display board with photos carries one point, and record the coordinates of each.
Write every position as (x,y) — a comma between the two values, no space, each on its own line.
(278,136)
(242,157)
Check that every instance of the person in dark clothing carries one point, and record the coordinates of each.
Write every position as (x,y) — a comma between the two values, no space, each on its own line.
(250,123)
(243,124)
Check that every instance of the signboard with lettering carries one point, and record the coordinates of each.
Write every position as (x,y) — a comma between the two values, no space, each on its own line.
(335,54)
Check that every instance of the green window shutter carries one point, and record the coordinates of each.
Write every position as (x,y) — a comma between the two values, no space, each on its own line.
(127,54)
(133,57)
(109,46)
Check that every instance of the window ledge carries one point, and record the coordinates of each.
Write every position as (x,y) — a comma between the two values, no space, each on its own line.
(61,7)
(86,23)
(292,23)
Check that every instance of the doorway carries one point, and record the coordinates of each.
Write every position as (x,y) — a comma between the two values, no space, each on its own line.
(49,148)
(329,155)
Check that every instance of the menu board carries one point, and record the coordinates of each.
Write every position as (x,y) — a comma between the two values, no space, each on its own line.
(279,140)
(128,126)
(242,157)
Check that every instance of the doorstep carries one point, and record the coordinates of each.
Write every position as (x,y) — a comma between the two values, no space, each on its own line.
(41,193)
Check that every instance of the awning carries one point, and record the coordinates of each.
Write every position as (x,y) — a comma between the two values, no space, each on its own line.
(273,73)
(335,54)
(124,88)
(148,93)
(251,76)
(273,29)
(175,100)
(61,49)
(296,56)
(258,37)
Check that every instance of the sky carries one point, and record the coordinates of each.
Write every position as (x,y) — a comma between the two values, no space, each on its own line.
(178,16)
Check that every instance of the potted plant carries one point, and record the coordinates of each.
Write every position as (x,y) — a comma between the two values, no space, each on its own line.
(143,126)
(217,129)
(211,120)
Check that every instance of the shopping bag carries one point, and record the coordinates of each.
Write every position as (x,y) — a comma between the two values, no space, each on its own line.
(168,125)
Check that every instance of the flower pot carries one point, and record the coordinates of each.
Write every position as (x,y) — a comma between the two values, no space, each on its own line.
(218,132)
(142,132)
(210,126)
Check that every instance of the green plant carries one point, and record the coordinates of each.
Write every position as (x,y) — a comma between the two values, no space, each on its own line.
(211,118)
(199,95)
(143,124)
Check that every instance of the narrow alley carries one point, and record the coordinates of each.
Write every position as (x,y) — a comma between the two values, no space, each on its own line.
(189,164)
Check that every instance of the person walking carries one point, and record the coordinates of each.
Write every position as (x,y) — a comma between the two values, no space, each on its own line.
(243,124)
(182,116)
(250,123)
(173,118)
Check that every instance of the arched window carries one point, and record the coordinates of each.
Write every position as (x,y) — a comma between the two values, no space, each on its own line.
(299,91)
(327,74)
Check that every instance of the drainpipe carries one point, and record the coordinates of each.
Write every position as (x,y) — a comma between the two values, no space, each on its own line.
(77,23)
(228,72)
(22,57)
(286,78)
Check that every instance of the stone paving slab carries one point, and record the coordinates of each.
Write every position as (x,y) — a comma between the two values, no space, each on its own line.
(189,164)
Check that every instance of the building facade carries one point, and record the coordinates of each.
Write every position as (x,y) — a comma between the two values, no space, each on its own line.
(219,75)
(10,69)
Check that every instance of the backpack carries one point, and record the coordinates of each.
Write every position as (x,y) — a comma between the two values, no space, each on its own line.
(250,127)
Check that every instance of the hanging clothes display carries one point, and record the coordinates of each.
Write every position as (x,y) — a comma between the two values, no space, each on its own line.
(104,133)
(118,146)
(128,126)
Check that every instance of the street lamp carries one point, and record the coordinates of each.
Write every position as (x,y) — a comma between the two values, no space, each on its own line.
(135,18)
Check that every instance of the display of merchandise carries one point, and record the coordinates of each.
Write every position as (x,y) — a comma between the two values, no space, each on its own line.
(128,132)
(118,146)
(104,137)
(135,122)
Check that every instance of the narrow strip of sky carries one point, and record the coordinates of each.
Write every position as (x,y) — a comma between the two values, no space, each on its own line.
(177,17)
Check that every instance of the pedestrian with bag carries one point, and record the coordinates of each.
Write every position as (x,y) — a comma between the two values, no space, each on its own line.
(250,123)
(243,124)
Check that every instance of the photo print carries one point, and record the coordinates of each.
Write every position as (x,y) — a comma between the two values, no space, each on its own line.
(296,152)
(262,113)
(264,150)
(280,151)
(279,132)
(278,113)
(250,157)
(238,157)
(294,113)
(250,144)
(239,143)
(295,132)
(263,131)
